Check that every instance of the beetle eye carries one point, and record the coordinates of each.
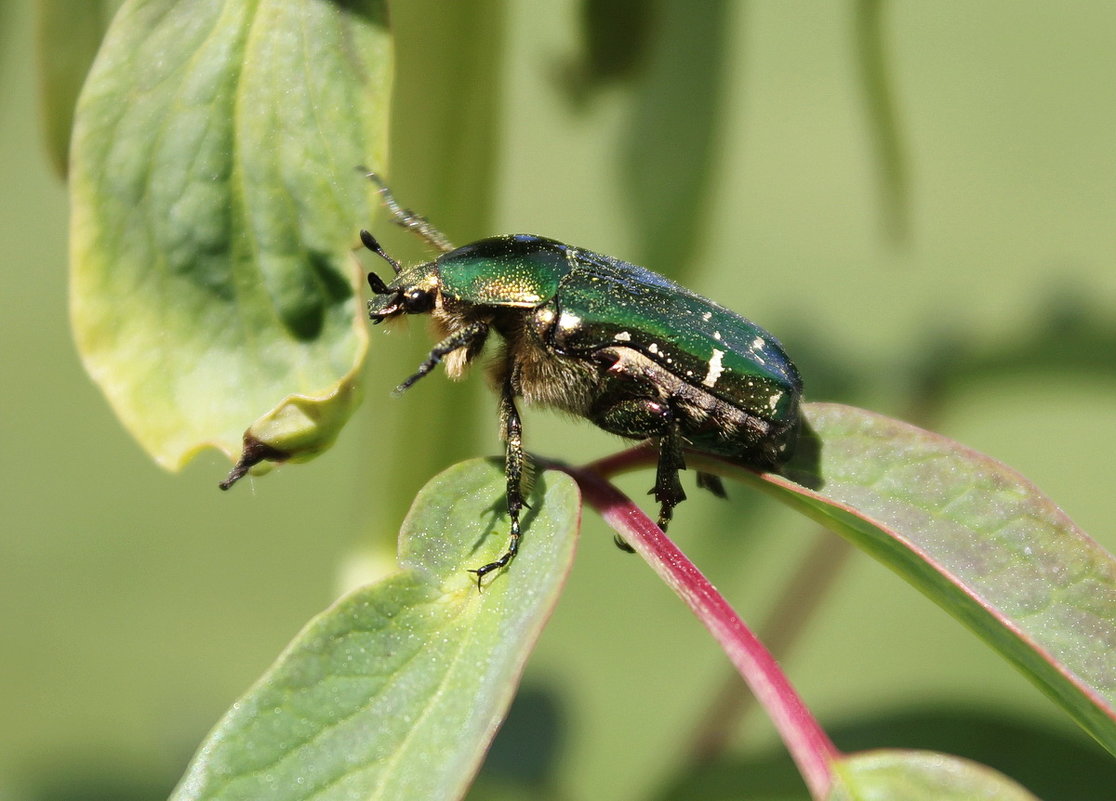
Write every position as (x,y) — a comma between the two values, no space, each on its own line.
(417,301)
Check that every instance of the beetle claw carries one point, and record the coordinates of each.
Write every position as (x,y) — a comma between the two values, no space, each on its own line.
(622,544)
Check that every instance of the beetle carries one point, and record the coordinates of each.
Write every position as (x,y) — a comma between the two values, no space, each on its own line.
(633,352)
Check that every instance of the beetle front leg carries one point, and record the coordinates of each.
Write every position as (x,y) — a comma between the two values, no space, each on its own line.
(471,336)
(515,467)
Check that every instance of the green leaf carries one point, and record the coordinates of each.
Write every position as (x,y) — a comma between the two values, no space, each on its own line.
(68,37)
(215,207)
(396,691)
(1028,749)
(977,538)
(887,775)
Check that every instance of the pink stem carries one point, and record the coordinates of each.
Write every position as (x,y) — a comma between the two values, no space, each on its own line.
(809,746)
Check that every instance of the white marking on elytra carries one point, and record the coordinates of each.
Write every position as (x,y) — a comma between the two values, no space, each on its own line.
(717,335)
(653,347)
(623,336)
(706,316)
(774,401)
(568,321)
(715,368)
(758,343)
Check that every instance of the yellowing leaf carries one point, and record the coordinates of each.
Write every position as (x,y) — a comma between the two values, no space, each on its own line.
(215,205)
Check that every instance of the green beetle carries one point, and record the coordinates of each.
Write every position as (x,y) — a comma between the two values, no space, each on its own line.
(619,345)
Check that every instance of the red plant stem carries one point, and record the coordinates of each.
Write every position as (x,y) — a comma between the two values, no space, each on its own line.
(798,599)
(808,745)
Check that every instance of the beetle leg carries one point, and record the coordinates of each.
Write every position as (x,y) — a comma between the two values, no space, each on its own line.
(668,489)
(708,481)
(405,218)
(515,467)
(471,336)
(622,544)
(650,417)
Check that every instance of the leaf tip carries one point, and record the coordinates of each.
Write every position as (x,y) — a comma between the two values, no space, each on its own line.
(255,452)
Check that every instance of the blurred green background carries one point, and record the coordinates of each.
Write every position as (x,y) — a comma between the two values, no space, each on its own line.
(957,266)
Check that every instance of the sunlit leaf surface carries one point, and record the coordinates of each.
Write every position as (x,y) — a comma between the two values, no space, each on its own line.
(976,537)
(396,690)
(215,204)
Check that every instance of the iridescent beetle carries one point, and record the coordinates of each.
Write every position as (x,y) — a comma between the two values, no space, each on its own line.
(619,345)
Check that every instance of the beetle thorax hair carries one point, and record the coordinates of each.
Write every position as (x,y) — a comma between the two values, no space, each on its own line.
(449,317)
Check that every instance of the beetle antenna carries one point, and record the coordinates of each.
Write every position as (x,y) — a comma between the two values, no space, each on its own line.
(406,218)
(371,243)
(377,284)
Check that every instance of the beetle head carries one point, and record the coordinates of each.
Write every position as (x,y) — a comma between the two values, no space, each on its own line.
(412,292)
